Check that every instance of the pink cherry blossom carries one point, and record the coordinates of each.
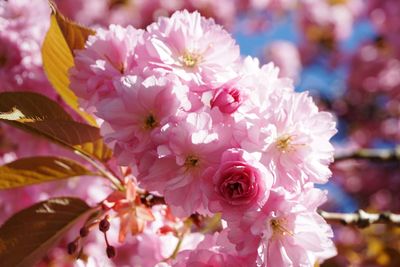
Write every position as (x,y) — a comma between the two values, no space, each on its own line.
(209,253)
(293,137)
(26,18)
(238,184)
(23,25)
(108,56)
(140,108)
(227,100)
(286,56)
(176,170)
(193,48)
(287,232)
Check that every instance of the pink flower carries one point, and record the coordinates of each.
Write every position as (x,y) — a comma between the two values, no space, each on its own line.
(157,242)
(258,82)
(108,56)
(212,251)
(189,148)
(23,25)
(140,108)
(287,232)
(238,184)
(286,56)
(227,100)
(293,137)
(193,48)
(29,19)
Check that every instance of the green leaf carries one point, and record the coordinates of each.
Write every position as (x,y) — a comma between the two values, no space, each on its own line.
(39,115)
(29,234)
(34,170)
(61,39)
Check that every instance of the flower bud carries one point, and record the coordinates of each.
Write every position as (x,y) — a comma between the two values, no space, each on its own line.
(72,247)
(84,231)
(110,252)
(104,225)
(227,100)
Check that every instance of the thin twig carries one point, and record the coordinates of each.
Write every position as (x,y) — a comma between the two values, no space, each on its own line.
(361,218)
(371,154)
(106,174)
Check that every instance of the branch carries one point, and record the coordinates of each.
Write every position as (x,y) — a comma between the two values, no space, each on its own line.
(151,200)
(372,154)
(361,218)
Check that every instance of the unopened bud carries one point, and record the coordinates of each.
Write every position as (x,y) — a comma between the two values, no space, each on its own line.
(110,252)
(104,225)
(72,247)
(84,231)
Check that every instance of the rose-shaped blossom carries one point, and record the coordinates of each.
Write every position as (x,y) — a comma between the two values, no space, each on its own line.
(186,151)
(238,184)
(227,100)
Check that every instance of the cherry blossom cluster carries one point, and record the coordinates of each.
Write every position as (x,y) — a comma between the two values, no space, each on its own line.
(21,35)
(213,132)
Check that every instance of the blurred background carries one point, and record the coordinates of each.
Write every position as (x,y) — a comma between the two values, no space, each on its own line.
(345,52)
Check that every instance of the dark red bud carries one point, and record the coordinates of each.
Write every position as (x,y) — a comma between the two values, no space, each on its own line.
(110,252)
(104,225)
(72,247)
(84,231)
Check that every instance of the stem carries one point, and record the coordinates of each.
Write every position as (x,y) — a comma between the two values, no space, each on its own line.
(178,246)
(106,174)
(361,218)
(372,154)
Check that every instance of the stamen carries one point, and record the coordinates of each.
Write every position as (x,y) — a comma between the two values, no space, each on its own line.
(283,143)
(279,227)
(150,122)
(190,60)
(191,162)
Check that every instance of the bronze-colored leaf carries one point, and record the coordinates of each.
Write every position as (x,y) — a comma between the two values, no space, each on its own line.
(34,170)
(29,234)
(74,34)
(39,115)
(61,39)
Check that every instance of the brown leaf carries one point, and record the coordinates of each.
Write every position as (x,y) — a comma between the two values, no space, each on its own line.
(39,115)
(61,39)
(29,234)
(74,34)
(34,170)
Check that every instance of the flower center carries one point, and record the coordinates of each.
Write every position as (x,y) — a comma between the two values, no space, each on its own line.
(190,60)
(236,188)
(191,162)
(283,143)
(279,228)
(150,122)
